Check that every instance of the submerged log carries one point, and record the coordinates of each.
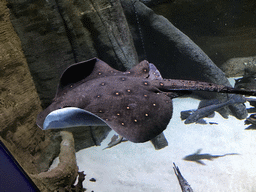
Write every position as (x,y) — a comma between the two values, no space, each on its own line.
(64,175)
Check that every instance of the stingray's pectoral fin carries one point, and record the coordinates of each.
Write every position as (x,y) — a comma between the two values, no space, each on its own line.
(71,117)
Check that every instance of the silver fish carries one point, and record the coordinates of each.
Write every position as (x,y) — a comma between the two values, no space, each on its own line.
(185,187)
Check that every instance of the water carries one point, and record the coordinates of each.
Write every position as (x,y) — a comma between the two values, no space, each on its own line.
(55,34)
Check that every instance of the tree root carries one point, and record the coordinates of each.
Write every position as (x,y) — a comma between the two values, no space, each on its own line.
(64,175)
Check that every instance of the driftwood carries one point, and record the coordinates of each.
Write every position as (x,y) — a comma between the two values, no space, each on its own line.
(65,173)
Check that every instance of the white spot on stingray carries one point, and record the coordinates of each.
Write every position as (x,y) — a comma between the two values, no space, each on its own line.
(145,83)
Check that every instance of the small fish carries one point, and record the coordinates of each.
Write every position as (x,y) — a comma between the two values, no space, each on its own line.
(196,157)
(116,139)
(251,121)
(247,82)
(213,123)
(252,101)
(185,114)
(206,111)
(251,127)
(185,187)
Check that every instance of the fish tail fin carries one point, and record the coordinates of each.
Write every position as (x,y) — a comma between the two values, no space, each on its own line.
(232,154)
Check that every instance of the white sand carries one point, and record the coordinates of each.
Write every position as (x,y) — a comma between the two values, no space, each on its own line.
(130,167)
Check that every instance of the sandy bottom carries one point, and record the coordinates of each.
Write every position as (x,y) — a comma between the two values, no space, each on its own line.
(130,167)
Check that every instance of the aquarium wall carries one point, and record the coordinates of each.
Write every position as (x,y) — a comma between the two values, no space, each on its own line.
(207,41)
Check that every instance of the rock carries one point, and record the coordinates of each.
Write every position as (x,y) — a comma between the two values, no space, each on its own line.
(56,34)
(236,67)
(89,136)
(174,54)
(19,104)
(44,42)
(64,175)
(33,148)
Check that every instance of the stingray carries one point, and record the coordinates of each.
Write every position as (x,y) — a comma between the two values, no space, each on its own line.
(136,104)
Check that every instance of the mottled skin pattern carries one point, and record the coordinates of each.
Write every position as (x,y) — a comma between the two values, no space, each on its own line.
(126,103)
(137,104)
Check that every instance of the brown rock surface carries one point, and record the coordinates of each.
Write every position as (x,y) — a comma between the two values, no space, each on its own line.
(56,34)
(33,148)
(19,105)
(64,175)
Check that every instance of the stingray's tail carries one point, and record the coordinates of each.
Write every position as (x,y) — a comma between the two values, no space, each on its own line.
(172,85)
